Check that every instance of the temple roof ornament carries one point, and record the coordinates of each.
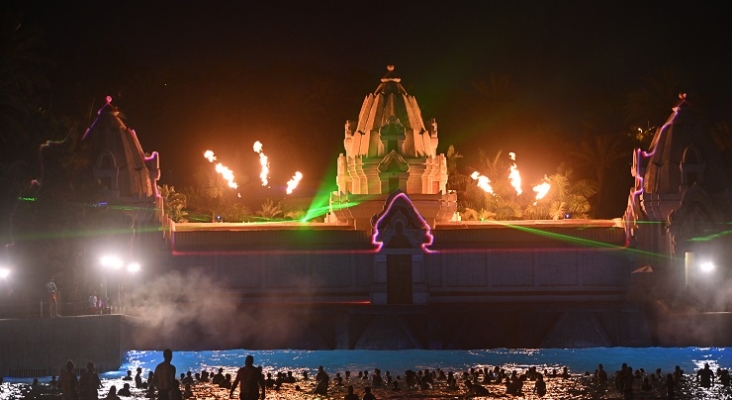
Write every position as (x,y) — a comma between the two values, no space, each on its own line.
(388,103)
(684,141)
(121,166)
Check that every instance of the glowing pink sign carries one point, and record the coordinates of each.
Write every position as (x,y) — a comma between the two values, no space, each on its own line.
(388,209)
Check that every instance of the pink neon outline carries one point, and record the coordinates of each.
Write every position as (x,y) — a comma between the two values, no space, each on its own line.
(425,225)
(642,155)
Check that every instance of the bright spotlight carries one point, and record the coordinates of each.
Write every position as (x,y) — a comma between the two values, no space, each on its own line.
(707,266)
(111,262)
(4,273)
(133,267)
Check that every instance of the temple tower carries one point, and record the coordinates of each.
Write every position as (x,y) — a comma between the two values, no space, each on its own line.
(683,188)
(390,148)
(128,178)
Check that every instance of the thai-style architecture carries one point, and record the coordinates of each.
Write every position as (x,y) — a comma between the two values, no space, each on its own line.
(678,211)
(388,149)
(128,177)
(390,267)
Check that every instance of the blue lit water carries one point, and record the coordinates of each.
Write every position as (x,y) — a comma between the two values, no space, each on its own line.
(578,362)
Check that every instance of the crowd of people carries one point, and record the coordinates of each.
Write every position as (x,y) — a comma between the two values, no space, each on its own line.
(250,381)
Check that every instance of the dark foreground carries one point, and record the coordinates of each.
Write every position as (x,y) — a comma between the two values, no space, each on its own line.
(575,387)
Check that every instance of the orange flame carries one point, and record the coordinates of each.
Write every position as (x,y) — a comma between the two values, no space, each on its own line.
(542,189)
(292,183)
(514,175)
(483,182)
(224,171)
(263,161)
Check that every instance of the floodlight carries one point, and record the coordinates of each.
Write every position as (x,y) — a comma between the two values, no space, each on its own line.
(113,262)
(707,266)
(4,273)
(133,267)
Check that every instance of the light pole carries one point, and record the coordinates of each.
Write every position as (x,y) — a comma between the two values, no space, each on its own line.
(110,263)
(114,263)
(4,274)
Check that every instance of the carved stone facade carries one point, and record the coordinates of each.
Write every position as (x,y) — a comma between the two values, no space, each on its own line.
(681,199)
(389,148)
(127,174)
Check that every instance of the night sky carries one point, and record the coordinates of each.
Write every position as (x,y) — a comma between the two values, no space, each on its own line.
(192,76)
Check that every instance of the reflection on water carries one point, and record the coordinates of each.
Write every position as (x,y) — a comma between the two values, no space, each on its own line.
(578,361)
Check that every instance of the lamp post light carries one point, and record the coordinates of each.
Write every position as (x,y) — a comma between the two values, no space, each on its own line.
(109,262)
(114,263)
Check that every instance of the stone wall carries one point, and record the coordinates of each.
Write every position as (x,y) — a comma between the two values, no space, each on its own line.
(47,343)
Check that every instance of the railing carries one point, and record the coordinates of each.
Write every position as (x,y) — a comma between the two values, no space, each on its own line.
(29,372)
(42,309)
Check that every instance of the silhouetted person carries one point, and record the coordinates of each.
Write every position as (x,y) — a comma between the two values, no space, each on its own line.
(350,395)
(600,374)
(627,381)
(670,386)
(187,393)
(646,385)
(112,395)
(138,378)
(128,377)
(225,382)
(377,380)
(125,391)
(53,382)
(68,383)
(90,383)
(176,393)
(678,374)
(724,378)
(705,376)
(368,395)
(476,389)
(250,381)
(218,377)
(188,380)
(165,375)
(322,378)
(540,386)
(52,292)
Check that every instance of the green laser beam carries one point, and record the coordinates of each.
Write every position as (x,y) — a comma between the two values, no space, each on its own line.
(581,241)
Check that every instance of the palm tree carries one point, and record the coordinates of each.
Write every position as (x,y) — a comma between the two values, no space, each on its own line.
(601,153)
(270,210)
(564,197)
(174,203)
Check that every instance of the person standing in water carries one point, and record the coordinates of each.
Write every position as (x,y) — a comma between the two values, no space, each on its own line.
(165,375)
(250,380)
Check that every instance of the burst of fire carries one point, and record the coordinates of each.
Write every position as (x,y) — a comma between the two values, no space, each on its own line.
(292,183)
(263,161)
(514,175)
(224,171)
(542,189)
(483,182)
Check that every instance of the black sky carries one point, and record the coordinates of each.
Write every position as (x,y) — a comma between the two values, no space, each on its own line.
(217,60)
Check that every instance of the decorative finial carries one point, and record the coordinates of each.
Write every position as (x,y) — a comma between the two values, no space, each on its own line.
(682,96)
(390,67)
(109,99)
